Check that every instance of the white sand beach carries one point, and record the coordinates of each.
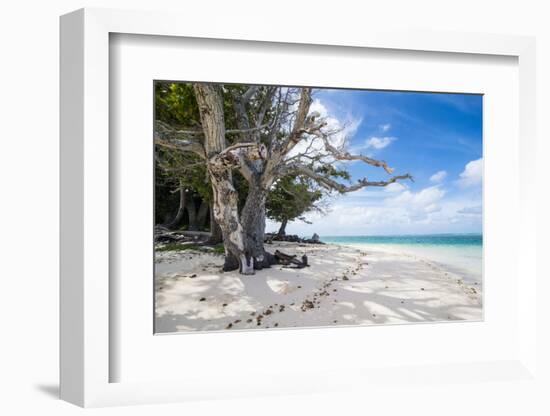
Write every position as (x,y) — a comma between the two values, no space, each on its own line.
(344,285)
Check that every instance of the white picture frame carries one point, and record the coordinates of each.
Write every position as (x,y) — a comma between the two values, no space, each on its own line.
(85,182)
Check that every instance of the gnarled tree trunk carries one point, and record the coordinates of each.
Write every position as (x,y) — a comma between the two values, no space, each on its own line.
(216,236)
(253,222)
(192,214)
(226,214)
(225,198)
(282,228)
(181,210)
(201,214)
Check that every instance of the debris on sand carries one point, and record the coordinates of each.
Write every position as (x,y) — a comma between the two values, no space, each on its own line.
(307,305)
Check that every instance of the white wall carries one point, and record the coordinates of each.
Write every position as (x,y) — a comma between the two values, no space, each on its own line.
(29,164)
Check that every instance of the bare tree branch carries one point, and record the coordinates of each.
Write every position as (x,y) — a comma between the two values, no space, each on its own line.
(301,122)
(247,96)
(239,102)
(181,145)
(171,138)
(241,155)
(281,106)
(263,106)
(161,126)
(344,155)
(301,117)
(332,184)
(250,130)
(254,150)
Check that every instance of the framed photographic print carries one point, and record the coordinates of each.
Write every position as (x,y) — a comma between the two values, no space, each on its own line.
(270,192)
(293,199)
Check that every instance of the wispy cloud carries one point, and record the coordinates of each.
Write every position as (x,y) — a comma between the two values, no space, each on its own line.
(461,102)
(378,143)
(438,177)
(385,127)
(395,187)
(344,128)
(475,210)
(393,211)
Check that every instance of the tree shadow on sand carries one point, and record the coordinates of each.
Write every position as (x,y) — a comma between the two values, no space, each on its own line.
(358,307)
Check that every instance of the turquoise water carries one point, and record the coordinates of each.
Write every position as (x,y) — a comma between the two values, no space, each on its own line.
(460,253)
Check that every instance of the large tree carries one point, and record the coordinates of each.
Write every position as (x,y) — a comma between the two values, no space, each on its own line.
(265,133)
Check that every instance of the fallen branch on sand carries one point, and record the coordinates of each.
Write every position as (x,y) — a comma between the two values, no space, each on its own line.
(271,237)
(164,235)
(288,260)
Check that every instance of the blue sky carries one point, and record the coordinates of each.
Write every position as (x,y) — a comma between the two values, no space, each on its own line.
(437,138)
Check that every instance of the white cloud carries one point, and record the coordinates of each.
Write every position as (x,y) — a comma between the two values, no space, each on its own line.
(395,211)
(344,129)
(378,142)
(474,210)
(402,211)
(424,201)
(385,127)
(432,208)
(438,177)
(472,174)
(395,187)
(417,206)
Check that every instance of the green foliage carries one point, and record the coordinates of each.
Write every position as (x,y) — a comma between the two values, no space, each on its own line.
(331,171)
(290,198)
(217,249)
(175,104)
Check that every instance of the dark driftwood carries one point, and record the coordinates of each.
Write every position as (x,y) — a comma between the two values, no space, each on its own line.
(288,260)
(290,238)
(168,238)
(164,235)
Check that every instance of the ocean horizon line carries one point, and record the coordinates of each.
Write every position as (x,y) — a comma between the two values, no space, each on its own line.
(416,239)
(480,234)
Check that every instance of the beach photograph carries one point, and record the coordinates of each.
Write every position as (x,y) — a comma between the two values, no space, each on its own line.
(299,207)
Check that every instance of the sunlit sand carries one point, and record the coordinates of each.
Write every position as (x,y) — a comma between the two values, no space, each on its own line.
(343,286)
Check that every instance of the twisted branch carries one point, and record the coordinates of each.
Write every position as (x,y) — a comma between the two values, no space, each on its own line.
(332,184)
(170,138)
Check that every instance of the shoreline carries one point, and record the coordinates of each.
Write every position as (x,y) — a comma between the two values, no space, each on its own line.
(422,253)
(345,285)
